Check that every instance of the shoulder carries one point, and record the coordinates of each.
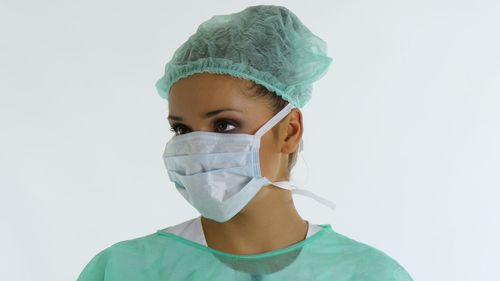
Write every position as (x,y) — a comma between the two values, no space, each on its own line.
(135,252)
(367,262)
(125,259)
(122,252)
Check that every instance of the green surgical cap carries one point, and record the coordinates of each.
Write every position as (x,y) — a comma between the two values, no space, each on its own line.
(266,44)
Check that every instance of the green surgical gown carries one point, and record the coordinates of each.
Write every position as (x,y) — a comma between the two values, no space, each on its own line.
(325,255)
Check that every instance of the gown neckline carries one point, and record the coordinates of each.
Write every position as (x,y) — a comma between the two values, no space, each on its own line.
(326,228)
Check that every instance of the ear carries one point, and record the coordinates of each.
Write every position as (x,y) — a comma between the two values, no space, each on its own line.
(292,131)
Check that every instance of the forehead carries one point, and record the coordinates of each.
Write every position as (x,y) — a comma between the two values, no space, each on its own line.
(206,91)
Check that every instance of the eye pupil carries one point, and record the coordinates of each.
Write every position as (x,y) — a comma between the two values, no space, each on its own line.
(181,130)
(222,126)
(177,129)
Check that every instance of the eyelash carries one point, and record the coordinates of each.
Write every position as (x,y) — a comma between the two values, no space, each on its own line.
(236,124)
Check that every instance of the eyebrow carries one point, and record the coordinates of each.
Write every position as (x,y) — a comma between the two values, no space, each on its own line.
(206,115)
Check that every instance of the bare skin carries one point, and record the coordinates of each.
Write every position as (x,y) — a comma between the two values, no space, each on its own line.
(270,221)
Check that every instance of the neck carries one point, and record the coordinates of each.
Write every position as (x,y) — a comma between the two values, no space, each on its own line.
(269,222)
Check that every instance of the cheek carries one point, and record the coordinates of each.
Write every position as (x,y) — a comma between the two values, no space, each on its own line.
(269,157)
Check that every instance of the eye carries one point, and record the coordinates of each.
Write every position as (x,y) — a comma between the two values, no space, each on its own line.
(222,125)
(178,129)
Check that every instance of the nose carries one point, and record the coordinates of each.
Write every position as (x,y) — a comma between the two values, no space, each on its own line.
(201,127)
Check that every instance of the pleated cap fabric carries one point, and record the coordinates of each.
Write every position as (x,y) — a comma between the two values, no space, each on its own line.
(267,44)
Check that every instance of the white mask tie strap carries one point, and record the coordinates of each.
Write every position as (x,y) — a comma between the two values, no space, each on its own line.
(305,192)
(274,120)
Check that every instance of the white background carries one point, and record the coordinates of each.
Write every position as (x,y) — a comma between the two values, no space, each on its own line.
(402,133)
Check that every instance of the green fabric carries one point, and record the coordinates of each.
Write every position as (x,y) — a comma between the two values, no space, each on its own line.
(266,44)
(325,255)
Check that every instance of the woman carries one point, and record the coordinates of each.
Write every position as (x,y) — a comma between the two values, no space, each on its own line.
(234,90)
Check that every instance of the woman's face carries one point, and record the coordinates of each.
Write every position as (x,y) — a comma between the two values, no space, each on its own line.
(217,103)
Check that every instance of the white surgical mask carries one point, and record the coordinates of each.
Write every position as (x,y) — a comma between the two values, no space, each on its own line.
(219,173)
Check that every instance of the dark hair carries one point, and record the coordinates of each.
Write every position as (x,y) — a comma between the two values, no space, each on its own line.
(276,104)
